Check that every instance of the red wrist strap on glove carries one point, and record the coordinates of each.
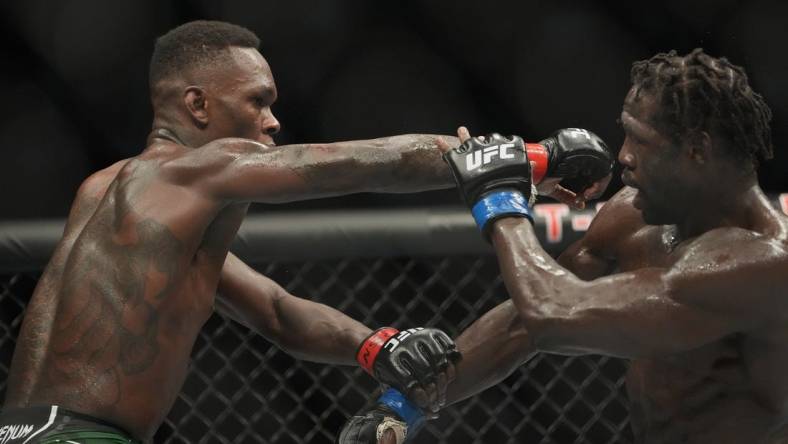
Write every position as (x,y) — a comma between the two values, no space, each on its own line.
(371,347)
(537,154)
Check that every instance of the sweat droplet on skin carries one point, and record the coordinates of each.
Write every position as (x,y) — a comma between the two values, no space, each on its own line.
(543,264)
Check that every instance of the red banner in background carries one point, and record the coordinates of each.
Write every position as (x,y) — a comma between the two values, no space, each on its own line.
(560,217)
(563,225)
(553,216)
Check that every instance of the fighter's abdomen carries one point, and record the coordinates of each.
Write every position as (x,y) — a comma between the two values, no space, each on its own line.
(702,396)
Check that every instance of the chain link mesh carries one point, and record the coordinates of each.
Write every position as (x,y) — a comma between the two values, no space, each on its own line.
(243,390)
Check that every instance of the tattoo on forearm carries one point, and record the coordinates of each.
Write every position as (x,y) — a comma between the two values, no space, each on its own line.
(405,162)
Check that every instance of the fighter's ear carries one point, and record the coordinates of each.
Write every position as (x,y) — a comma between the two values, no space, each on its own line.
(196,102)
(700,146)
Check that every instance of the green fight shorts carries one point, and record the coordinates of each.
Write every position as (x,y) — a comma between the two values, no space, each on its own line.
(53,424)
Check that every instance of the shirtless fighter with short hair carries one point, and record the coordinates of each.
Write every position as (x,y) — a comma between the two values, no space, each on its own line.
(105,344)
(695,259)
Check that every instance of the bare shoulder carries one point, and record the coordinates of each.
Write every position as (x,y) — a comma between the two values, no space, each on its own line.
(97,183)
(164,161)
(180,164)
(597,252)
(93,188)
(619,212)
(89,195)
(733,270)
(740,243)
(616,221)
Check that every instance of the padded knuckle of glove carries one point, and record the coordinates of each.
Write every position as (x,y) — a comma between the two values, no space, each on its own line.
(493,162)
(417,364)
(398,358)
(428,348)
(578,156)
(447,347)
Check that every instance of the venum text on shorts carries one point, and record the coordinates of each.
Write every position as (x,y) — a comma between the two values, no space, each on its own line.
(14,431)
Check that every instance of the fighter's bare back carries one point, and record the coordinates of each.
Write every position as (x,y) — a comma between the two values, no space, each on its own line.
(725,391)
(129,287)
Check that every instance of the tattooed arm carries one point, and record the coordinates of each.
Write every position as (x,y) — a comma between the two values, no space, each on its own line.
(243,170)
(304,329)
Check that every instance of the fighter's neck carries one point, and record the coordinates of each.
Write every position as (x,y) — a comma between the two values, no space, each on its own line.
(166,127)
(166,134)
(746,208)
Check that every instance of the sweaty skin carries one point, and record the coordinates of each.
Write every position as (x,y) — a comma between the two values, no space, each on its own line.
(699,307)
(703,321)
(111,324)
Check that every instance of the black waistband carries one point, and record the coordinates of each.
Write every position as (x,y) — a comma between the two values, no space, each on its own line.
(42,413)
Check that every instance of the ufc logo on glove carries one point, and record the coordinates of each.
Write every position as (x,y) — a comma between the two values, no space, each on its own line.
(475,159)
(394,342)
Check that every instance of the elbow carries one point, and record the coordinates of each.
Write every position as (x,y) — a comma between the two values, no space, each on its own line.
(537,320)
(544,322)
(547,306)
(540,326)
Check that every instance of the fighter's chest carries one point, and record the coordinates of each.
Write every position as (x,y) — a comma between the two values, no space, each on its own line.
(650,246)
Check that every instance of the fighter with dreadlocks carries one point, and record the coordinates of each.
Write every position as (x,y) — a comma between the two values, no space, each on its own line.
(684,272)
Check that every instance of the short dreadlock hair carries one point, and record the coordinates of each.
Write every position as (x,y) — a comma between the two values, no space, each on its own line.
(698,92)
(196,43)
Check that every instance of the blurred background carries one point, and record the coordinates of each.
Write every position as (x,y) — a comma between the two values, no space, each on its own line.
(75,75)
(74,84)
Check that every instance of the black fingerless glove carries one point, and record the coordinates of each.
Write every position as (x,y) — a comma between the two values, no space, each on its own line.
(578,156)
(493,175)
(405,359)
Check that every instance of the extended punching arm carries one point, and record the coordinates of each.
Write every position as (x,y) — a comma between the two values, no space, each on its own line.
(243,170)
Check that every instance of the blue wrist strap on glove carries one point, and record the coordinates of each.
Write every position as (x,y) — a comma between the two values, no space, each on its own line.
(406,410)
(500,203)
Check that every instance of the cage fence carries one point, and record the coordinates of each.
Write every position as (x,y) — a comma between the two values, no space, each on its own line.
(423,268)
